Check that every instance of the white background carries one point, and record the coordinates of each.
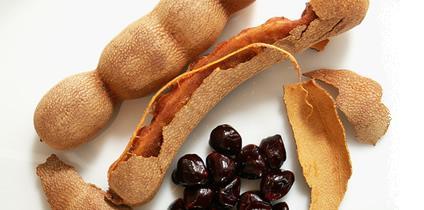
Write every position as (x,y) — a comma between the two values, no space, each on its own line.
(43,41)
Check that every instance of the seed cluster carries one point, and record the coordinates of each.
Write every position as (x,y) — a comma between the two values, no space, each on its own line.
(216,184)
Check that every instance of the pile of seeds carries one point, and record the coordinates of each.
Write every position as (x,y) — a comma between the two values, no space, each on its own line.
(216,185)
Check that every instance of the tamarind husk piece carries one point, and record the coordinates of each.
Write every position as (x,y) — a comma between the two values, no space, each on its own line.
(332,18)
(65,189)
(359,99)
(320,46)
(321,143)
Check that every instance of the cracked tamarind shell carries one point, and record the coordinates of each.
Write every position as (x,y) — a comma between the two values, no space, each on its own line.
(321,143)
(65,189)
(359,99)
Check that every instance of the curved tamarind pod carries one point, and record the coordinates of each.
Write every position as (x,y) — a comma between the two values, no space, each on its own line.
(144,56)
(138,173)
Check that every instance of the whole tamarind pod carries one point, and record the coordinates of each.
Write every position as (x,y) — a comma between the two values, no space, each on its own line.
(144,56)
(136,176)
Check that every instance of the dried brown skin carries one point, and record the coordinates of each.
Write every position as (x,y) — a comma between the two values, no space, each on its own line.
(360,100)
(65,189)
(130,171)
(145,55)
(321,143)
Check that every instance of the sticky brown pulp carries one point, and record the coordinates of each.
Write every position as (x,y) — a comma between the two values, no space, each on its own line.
(149,138)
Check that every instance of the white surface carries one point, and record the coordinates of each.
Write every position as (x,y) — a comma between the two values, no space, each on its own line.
(41,42)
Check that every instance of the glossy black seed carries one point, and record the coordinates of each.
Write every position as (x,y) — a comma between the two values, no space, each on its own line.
(221,168)
(198,197)
(190,171)
(273,151)
(177,205)
(225,139)
(251,200)
(280,206)
(174,177)
(229,195)
(251,163)
(276,184)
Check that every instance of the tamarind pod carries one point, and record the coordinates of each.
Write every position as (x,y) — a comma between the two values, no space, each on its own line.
(136,176)
(144,56)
